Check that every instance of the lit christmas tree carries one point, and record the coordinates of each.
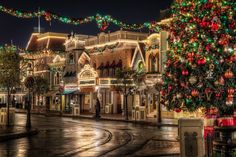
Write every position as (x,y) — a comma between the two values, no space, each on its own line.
(201,63)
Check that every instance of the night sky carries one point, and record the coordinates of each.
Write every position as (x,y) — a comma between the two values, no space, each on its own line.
(129,11)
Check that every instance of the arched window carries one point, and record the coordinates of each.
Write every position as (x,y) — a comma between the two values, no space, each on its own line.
(140,67)
(113,68)
(153,63)
(57,78)
(101,68)
(107,67)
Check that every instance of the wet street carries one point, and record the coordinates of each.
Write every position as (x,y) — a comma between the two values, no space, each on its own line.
(60,137)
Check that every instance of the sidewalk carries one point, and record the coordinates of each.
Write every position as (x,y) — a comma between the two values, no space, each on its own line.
(15,132)
(119,117)
(113,117)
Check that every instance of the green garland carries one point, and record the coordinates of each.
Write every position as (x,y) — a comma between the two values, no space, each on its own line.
(102,21)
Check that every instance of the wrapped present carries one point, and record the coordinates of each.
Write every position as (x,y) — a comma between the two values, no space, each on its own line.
(226,121)
(208,130)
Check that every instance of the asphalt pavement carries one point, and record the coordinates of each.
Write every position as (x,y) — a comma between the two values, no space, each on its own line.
(62,137)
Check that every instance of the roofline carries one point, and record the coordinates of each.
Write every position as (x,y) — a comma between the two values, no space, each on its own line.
(31,37)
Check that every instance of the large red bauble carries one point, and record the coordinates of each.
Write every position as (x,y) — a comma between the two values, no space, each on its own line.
(177,110)
(185,72)
(228,74)
(230,91)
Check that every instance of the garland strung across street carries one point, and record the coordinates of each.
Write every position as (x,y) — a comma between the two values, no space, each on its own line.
(103,22)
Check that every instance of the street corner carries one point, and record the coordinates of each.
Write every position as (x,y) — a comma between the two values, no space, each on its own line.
(18,134)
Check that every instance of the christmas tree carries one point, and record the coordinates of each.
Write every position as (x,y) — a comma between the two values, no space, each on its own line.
(201,61)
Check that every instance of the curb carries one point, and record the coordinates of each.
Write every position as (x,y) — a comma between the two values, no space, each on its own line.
(11,136)
(127,121)
(107,119)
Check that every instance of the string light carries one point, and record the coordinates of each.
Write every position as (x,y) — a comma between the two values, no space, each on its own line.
(103,22)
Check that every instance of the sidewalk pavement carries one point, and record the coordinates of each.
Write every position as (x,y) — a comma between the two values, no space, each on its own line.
(112,117)
(14,132)
(119,117)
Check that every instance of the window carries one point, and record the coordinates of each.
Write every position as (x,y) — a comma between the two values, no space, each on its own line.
(153,66)
(71,59)
(140,67)
(57,78)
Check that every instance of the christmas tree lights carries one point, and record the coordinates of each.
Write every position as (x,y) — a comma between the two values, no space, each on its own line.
(201,63)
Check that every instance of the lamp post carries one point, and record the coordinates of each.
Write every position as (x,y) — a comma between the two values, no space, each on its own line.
(29,83)
(61,90)
(159,83)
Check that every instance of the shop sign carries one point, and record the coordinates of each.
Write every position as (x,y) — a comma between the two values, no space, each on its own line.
(87,82)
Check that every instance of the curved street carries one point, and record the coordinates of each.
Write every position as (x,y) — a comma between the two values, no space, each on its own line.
(82,137)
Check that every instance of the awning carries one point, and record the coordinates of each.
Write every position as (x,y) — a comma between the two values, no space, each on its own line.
(68,92)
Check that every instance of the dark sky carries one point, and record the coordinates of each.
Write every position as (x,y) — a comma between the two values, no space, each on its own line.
(130,11)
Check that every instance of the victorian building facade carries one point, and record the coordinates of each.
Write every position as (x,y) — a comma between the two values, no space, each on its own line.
(82,68)
(45,53)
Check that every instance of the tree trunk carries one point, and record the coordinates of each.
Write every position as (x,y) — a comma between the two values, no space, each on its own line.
(126,104)
(28,122)
(126,107)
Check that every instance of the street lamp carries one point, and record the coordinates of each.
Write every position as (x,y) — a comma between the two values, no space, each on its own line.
(61,90)
(159,83)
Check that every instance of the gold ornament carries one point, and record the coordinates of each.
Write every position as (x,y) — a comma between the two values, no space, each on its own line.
(212,67)
(179,95)
(192,80)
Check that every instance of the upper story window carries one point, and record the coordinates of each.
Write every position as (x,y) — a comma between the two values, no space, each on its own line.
(71,59)
(140,67)
(57,78)
(153,63)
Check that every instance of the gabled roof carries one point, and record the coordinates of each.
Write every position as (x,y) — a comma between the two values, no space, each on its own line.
(84,56)
(139,52)
(49,41)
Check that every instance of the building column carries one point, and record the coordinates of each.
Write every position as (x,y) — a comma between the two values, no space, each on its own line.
(122,104)
(114,101)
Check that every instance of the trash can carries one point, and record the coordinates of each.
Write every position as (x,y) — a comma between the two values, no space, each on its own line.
(108,108)
(191,138)
(3,116)
(76,110)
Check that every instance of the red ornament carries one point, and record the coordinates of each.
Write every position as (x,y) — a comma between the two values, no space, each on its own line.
(177,110)
(217,95)
(214,26)
(48,16)
(201,61)
(162,93)
(194,93)
(208,47)
(170,87)
(185,72)
(207,90)
(190,57)
(233,58)
(104,26)
(229,74)
(230,91)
